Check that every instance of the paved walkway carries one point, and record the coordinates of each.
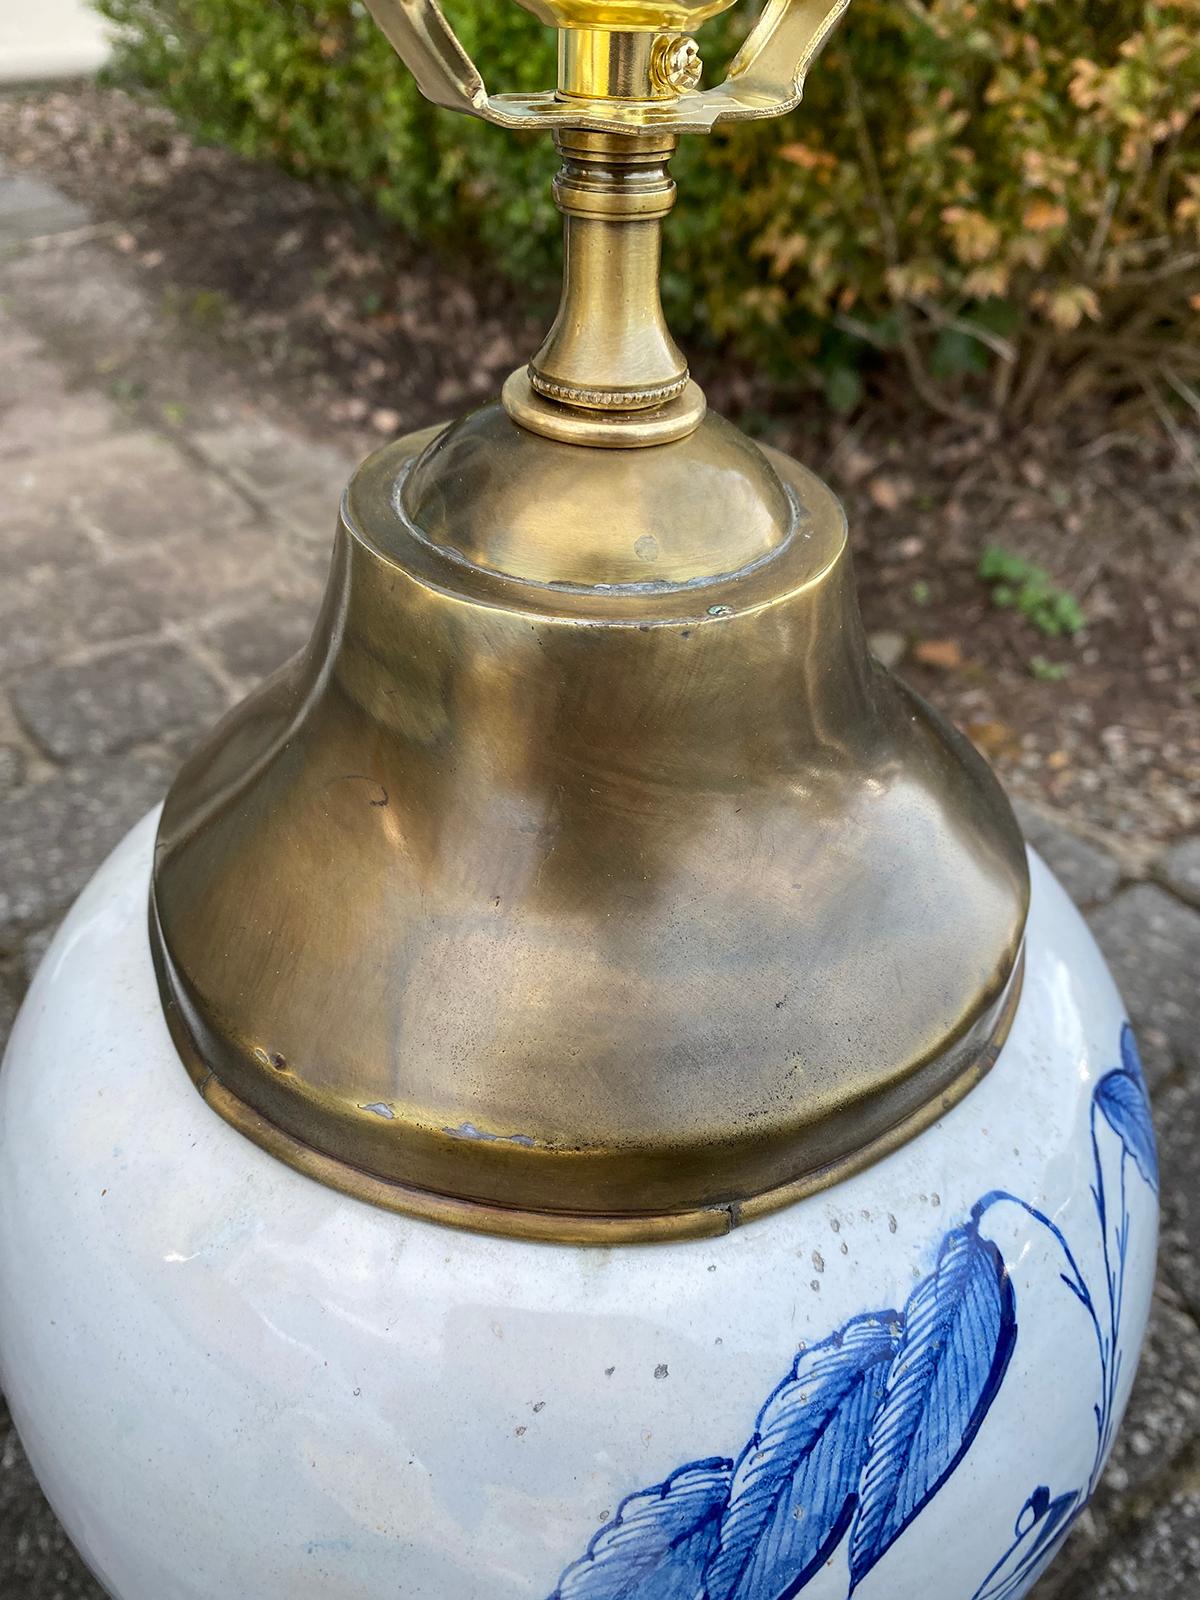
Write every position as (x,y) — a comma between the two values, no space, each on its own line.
(163,541)
(44,40)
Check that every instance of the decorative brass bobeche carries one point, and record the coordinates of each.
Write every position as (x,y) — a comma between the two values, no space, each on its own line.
(584,878)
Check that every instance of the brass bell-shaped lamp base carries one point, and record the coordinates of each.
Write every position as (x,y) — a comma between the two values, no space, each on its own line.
(584,878)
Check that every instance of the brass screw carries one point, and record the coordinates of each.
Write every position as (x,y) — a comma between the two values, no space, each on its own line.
(675,63)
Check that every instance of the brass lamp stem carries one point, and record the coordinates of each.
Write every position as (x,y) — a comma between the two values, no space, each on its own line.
(609,372)
(610,348)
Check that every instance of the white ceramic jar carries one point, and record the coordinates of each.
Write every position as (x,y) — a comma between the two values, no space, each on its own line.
(233,1381)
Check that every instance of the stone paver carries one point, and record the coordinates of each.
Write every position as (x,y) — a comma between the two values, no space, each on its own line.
(37,405)
(1152,942)
(36,1557)
(1179,869)
(1164,1409)
(54,834)
(130,490)
(74,295)
(10,988)
(34,948)
(302,481)
(150,573)
(97,707)
(1088,874)
(12,767)
(31,209)
(48,612)
(252,644)
(1178,1118)
(1161,1559)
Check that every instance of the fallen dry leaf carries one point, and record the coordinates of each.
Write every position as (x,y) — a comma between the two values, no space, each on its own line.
(1042,215)
(946,654)
(890,493)
(855,464)
(993,739)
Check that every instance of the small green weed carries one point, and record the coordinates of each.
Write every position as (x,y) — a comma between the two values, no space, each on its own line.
(1019,585)
(205,309)
(1047,671)
(126,391)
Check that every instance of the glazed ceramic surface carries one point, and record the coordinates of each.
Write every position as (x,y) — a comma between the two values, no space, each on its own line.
(233,1381)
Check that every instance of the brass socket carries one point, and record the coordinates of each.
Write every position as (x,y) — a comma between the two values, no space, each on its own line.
(599,64)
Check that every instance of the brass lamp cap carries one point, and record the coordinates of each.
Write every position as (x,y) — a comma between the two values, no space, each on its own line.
(585,878)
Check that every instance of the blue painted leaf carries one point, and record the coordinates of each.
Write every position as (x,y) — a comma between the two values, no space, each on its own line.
(1127,1111)
(960,1325)
(659,1542)
(1131,1058)
(795,1486)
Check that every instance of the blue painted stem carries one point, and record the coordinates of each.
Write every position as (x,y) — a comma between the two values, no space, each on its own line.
(1075,1283)
(1116,1311)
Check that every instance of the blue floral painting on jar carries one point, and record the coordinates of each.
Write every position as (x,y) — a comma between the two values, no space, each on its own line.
(869,1424)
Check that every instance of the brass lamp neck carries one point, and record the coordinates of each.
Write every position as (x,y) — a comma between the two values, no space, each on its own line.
(609,372)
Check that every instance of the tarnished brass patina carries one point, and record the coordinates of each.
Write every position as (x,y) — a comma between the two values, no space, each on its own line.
(584,878)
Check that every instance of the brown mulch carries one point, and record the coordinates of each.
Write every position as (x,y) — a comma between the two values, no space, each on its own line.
(357,331)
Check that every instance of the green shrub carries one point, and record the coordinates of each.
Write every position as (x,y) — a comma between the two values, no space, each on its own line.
(992,190)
